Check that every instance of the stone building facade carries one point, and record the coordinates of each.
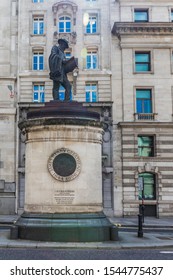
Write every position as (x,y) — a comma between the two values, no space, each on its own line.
(124,50)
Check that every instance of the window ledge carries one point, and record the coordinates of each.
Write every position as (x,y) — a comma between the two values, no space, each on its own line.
(38,35)
(92,34)
(144,72)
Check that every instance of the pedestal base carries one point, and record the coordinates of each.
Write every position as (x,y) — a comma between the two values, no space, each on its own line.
(85,227)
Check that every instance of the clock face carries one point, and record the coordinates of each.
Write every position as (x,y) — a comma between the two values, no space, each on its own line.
(64,165)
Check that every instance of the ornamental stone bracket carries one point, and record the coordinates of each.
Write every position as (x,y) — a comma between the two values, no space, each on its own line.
(70,37)
(147,28)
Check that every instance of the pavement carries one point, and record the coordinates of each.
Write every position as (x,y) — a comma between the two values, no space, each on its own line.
(157,233)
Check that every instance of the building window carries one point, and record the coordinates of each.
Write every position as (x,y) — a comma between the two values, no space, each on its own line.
(143,101)
(145,146)
(142,62)
(91,27)
(62,93)
(64,25)
(91,92)
(91,60)
(171,15)
(38,1)
(67,55)
(38,93)
(38,26)
(149,186)
(141,15)
(38,61)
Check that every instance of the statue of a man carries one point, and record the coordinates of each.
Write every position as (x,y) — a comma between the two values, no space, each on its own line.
(57,62)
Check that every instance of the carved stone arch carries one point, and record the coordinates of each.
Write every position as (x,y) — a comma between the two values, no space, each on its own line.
(148,168)
(66,8)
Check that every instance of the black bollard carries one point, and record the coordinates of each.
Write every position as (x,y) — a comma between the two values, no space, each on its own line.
(140,229)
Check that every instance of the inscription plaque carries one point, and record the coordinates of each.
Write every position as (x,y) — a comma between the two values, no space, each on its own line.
(64,197)
(64,165)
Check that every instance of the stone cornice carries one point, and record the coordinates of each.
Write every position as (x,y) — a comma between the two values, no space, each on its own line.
(145,28)
(146,124)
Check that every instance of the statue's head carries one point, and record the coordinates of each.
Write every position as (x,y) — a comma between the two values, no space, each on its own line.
(64,43)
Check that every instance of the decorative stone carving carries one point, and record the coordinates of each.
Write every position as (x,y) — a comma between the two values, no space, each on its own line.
(68,8)
(64,165)
(147,28)
(70,37)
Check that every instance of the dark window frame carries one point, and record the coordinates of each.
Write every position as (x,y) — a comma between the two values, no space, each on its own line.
(146,11)
(152,146)
(143,62)
(142,193)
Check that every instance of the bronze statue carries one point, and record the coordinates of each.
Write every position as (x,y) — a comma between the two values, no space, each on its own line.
(59,67)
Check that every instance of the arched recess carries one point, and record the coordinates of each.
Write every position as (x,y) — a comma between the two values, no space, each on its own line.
(151,188)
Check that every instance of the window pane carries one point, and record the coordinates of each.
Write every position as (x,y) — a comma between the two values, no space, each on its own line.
(88,64)
(139,106)
(142,67)
(94,61)
(94,97)
(68,27)
(41,27)
(41,63)
(143,93)
(35,62)
(146,146)
(35,28)
(142,57)
(147,106)
(61,26)
(36,96)
(41,96)
(88,29)
(87,96)
(141,16)
(149,186)
(171,15)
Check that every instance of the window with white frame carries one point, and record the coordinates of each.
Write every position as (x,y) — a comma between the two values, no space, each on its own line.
(64,24)
(62,93)
(143,101)
(38,25)
(92,26)
(38,60)
(38,93)
(91,92)
(67,54)
(38,1)
(91,60)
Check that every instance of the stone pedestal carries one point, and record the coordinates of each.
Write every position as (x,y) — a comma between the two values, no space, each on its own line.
(63,191)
